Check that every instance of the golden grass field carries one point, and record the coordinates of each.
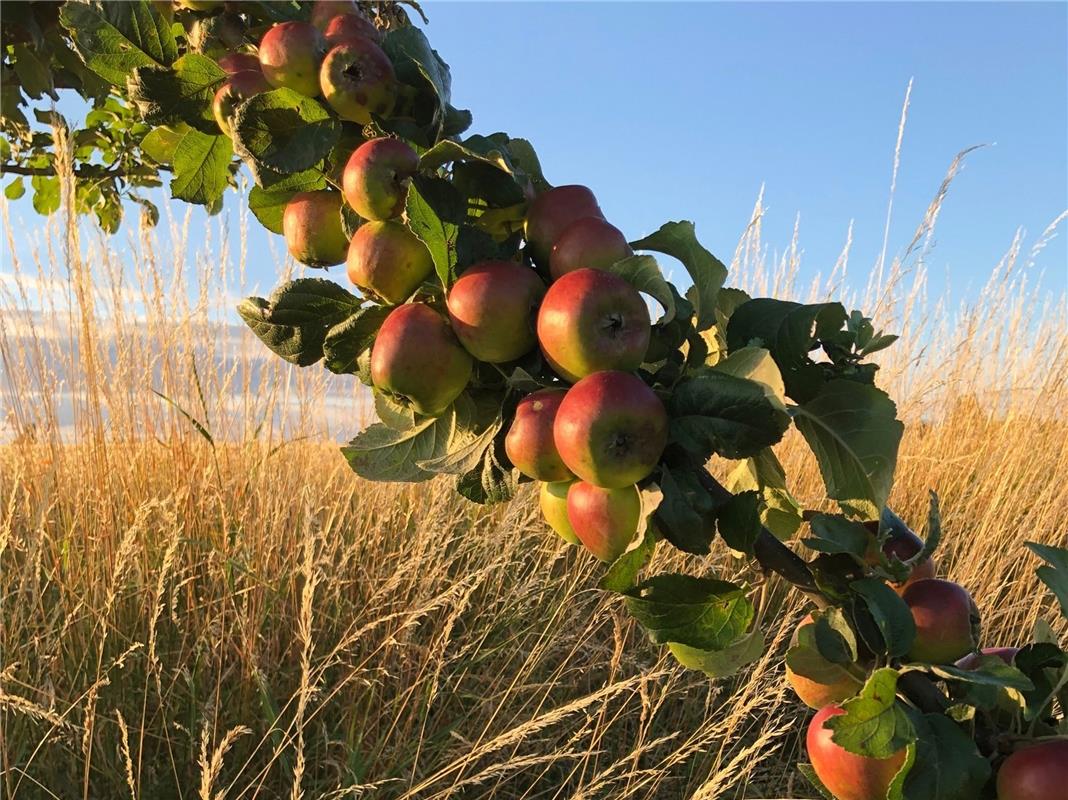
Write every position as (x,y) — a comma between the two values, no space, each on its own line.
(241,618)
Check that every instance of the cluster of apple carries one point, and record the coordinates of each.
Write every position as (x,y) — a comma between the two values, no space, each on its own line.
(947,632)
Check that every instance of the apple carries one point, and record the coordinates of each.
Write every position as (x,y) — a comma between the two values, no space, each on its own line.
(971,661)
(1035,772)
(591,321)
(322,11)
(387,261)
(492,307)
(529,442)
(588,242)
(357,80)
(237,87)
(846,775)
(552,497)
(290,56)
(416,359)
(817,695)
(231,63)
(345,27)
(377,176)
(610,429)
(551,212)
(312,227)
(903,544)
(604,520)
(947,620)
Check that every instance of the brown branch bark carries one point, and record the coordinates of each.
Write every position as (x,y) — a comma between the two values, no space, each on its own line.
(84,171)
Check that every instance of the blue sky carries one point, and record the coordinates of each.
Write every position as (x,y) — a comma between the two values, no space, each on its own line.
(683,111)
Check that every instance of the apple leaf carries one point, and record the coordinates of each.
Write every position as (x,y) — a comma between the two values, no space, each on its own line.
(114,39)
(686,514)
(724,662)
(434,210)
(623,572)
(813,778)
(713,412)
(489,482)
(183,93)
(875,725)
(160,143)
(990,671)
(201,168)
(418,65)
(704,613)
(347,341)
(283,131)
(382,453)
(294,320)
(1055,573)
(947,765)
(756,364)
(465,452)
(643,273)
(891,615)
(854,433)
(836,534)
(780,513)
(808,656)
(1045,664)
(679,240)
(738,521)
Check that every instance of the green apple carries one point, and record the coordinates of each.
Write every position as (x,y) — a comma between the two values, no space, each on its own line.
(529,441)
(311,224)
(377,176)
(552,498)
(387,261)
(947,621)
(551,212)
(604,520)
(291,54)
(492,307)
(237,87)
(846,775)
(357,80)
(591,243)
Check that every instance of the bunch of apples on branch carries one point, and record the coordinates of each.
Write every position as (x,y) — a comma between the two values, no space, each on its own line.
(509,333)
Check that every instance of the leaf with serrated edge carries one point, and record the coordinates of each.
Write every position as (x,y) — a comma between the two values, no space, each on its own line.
(721,663)
(874,724)
(643,273)
(890,613)
(705,613)
(1055,574)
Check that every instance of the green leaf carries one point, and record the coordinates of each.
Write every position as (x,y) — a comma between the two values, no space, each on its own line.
(874,725)
(834,533)
(990,671)
(686,514)
(161,143)
(201,168)
(679,240)
(823,654)
(183,93)
(724,662)
(738,521)
(713,412)
(114,39)
(431,209)
(788,331)
(382,453)
(948,765)
(15,189)
(294,321)
(269,205)
(490,482)
(284,132)
(347,341)
(781,513)
(705,613)
(1055,575)
(890,613)
(34,74)
(417,64)
(756,364)
(623,572)
(46,194)
(813,778)
(643,273)
(464,454)
(854,433)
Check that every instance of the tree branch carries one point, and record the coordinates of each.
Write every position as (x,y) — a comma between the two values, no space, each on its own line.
(85,171)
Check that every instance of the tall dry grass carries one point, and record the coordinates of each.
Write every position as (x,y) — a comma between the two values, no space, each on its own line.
(198,600)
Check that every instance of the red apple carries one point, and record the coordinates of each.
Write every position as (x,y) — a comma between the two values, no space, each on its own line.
(416,359)
(239,62)
(971,661)
(236,88)
(529,442)
(846,775)
(552,498)
(591,243)
(592,321)
(387,261)
(377,176)
(312,227)
(290,55)
(357,80)
(903,544)
(946,618)
(492,307)
(322,11)
(1036,772)
(343,28)
(604,520)
(610,429)
(551,212)
(815,694)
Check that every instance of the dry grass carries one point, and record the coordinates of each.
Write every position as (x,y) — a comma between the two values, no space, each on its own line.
(240,618)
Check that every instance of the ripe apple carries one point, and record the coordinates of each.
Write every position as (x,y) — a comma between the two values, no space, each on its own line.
(492,307)
(377,176)
(344,27)
(903,544)
(817,695)
(1036,772)
(604,520)
(971,661)
(947,620)
(551,212)
(552,497)
(323,11)
(529,442)
(236,88)
(239,62)
(590,242)
(846,775)
(357,80)
(312,227)
(290,55)
(416,358)
(591,321)
(387,261)
(610,429)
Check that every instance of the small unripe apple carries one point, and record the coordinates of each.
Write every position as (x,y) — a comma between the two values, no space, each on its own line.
(357,80)
(552,498)
(590,243)
(815,694)
(377,176)
(604,520)
(591,321)
(387,261)
(1036,772)
(236,88)
(610,429)
(343,28)
(232,63)
(290,55)
(846,775)
(416,358)
(947,620)
(529,442)
(492,307)
(312,227)
(971,661)
(551,212)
